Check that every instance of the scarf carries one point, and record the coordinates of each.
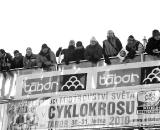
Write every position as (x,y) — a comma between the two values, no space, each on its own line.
(110,47)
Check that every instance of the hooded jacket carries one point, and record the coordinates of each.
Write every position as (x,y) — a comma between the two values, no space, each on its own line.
(79,52)
(18,62)
(46,60)
(132,48)
(6,61)
(151,45)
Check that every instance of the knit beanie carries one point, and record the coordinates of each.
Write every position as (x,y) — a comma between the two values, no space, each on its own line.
(79,44)
(155,33)
(71,43)
(93,39)
(2,51)
(16,51)
(28,49)
(131,37)
(44,46)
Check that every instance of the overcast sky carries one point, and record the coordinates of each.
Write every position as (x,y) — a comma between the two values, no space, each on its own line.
(25,23)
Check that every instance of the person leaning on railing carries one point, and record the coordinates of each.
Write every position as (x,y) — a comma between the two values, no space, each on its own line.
(111,46)
(17,60)
(30,59)
(133,47)
(94,51)
(68,53)
(5,60)
(79,52)
(46,58)
(153,45)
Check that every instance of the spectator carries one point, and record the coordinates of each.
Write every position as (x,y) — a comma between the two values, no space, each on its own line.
(17,60)
(68,53)
(5,60)
(79,52)
(153,45)
(30,59)
(93,51)
(20,119)
(111,46)
(133,47)
(46,58)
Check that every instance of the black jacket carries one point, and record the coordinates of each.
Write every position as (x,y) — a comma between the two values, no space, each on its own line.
(132,48)
(6,62)
(151,45)
(18,62)
(94,53)
(68,54)
(79,54)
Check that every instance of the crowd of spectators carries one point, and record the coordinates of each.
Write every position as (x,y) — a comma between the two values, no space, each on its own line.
(76,52)
(46,59)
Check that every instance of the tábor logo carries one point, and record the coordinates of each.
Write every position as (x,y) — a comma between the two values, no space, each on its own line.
(118,78)
(39,85)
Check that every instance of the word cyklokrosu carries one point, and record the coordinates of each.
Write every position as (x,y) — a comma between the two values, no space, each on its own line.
(39,86)
(91,109)
(113,79)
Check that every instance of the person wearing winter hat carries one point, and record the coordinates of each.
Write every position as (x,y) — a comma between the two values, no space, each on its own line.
(79,52)
(17,60)
(155,33)
(30,59)
(93,52)
(133,47)
(5,60)
(68,53)
(47,58)
(111,46)
(44,46)
(153,45)
(71,43)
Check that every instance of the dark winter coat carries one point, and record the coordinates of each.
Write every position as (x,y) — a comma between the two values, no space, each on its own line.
(18,62)
(68,54)
(151,45)
(20,119)
(93,53)
(30,61)
(132,47)
(79,53)
(6,62)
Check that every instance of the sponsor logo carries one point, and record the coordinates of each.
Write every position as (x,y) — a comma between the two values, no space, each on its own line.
(118,78)
(148,102)
(152,75)
(40,85)
(54,83)
(73,82)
